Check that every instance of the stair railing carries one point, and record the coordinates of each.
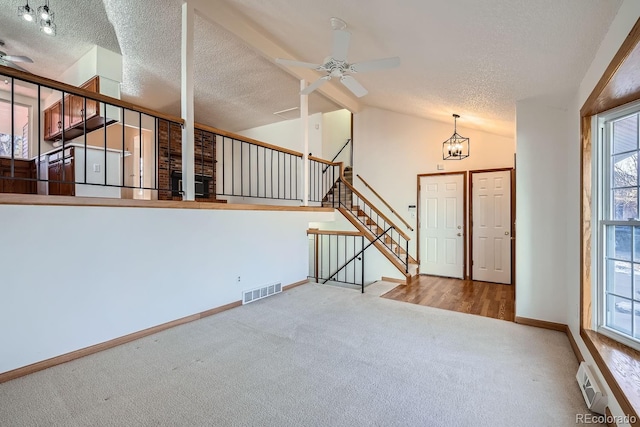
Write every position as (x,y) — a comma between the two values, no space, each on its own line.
(385,203)
(336,156)
(365,212)
(323,175)
(337,256)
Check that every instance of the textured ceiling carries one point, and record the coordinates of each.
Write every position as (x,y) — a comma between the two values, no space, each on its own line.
(80,26)
(474,58)
(235,87)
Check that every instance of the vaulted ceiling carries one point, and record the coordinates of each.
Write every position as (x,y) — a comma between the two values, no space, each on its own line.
(464,56)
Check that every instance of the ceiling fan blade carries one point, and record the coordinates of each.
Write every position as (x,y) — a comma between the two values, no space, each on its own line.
(12,65)
(376,64)
(353,85)
(292,63)
(315,85)
(18,59)
(340,48)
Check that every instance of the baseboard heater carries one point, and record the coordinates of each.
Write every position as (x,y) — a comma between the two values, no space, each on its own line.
(260,293)
(590,389)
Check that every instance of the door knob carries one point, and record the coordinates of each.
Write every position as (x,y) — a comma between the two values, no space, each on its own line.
(459,234)
(506,233)
(459,227)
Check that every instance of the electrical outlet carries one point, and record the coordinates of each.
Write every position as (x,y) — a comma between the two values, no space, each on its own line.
(440,167)
(238,278)
(96,167)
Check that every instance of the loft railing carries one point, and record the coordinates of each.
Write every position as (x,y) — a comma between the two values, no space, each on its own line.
(385,203)
(66,140)
(254,169)
(337,256)
(345,196)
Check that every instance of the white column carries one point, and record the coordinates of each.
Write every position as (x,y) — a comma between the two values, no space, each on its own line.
(304,116)
(188,157)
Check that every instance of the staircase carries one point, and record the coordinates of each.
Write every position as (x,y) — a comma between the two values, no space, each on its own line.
(390,240)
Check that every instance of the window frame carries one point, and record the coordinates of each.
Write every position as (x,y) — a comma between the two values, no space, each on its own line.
(601,208)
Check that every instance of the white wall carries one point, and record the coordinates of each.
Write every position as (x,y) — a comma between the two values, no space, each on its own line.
(391,149)
(119,270)
(336,130)
(541,190)
(288,134)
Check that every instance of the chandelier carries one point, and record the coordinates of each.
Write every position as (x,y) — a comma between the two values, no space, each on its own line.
(456,147)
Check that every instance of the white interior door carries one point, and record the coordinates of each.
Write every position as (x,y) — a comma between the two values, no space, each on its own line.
(491,222)
(442,225)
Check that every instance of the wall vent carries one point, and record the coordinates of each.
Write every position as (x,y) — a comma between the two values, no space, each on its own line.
(591,392)
(259,293)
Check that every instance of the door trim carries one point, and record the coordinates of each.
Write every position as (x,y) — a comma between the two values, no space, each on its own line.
(513,218)
(464,217)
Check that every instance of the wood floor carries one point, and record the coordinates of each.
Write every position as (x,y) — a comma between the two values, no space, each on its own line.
(465,296)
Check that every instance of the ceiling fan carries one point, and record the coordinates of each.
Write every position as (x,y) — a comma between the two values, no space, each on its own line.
(336,65)
(10,60)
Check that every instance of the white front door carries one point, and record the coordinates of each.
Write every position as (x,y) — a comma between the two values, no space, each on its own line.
(442,225)
(491,222)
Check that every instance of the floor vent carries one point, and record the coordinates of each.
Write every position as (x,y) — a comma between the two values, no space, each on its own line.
(259,293)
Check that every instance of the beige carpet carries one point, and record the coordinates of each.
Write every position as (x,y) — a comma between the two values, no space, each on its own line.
(314,356)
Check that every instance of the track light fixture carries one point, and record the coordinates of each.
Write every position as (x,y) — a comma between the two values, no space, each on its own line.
(44,16)
(456,147)
(27,13)
(48,27)
(45,13)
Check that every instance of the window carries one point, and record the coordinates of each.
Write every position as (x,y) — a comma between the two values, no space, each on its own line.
(19,128)
(618,233)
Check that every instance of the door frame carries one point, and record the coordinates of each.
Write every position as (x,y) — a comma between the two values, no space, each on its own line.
(513,218)
(465,217)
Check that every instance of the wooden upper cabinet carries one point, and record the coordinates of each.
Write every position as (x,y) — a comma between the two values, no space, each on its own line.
(74,114)
(93,107)
(53,122)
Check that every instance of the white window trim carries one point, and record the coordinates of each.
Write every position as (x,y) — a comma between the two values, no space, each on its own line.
(600,183)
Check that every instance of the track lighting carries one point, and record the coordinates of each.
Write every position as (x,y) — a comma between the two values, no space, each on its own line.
(45,12)
(45,17)
(27,13)
(48,27)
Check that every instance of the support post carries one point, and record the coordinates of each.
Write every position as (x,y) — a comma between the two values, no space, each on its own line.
(187,104)
(304,116)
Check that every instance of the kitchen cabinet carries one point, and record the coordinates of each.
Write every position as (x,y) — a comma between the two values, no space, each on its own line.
(83,171)
(62,174)
(52,122)
(22,171)
(78,117)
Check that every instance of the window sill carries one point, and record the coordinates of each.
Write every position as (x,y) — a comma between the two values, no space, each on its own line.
(620,366)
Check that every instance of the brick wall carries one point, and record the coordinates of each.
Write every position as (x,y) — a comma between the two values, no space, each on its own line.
(170,158)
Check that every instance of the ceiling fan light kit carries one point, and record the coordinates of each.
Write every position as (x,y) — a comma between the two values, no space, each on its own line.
(44,16)
(336,65)
(457,146)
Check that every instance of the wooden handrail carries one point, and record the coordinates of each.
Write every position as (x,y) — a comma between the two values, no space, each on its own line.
(334,233)
(385,203)
(74,90)
(326,162)
(232,135)
(372,206)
